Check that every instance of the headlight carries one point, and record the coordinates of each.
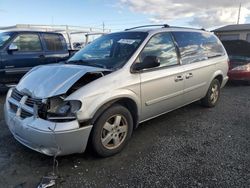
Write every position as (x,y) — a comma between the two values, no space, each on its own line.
(58,109)
(63,109)
(243,67)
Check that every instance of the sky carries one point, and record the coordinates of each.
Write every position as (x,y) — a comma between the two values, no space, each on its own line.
(121,14)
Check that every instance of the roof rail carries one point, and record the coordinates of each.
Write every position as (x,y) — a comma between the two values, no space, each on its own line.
(188,28)
(164,26)
(158,25)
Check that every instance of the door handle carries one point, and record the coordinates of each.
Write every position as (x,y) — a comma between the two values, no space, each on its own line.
(178,78)
(189,75)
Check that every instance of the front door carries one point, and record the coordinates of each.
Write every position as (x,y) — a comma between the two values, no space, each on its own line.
(161,87)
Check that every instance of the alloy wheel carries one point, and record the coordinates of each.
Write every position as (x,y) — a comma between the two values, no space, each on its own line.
(214,93)
(114,132)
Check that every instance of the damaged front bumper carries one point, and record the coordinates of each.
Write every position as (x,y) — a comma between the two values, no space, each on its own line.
(50,138)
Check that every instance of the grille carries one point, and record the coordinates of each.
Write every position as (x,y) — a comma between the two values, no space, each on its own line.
(31,101)
(13,107)
(25,114)
(17,96)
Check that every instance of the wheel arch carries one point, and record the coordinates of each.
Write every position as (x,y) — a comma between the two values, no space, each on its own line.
(217,75)
(127,102)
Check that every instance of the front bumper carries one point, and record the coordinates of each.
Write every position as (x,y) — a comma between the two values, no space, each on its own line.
(47,137)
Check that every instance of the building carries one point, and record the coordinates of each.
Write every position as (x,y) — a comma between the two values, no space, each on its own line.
(234,32)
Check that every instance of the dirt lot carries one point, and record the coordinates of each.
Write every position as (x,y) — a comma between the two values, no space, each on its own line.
(190,147)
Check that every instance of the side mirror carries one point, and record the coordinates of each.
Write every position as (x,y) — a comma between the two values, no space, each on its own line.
(147,63)
(13,47)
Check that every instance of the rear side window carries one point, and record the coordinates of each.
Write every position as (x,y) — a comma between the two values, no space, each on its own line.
(53,42)
(28,42)
(197,46)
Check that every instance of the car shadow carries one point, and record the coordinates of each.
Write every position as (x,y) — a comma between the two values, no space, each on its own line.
(237,83)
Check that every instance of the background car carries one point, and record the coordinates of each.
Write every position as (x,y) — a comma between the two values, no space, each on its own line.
(22,50)
(239,60)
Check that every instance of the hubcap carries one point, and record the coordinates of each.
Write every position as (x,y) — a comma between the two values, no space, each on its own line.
(214,94)
(114,131)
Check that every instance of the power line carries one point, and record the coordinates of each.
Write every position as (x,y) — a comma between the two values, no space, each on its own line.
(110,21)
(127,23)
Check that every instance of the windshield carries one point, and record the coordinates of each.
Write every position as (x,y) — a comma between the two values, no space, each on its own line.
(109,51)
(4,37)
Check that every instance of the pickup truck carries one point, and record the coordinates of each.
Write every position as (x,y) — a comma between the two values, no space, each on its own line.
(22,50)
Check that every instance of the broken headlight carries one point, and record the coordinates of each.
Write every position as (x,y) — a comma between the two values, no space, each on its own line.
(60,110)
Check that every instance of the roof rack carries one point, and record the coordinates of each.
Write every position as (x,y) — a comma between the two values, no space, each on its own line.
(158,25)
(188,28)
(164,26)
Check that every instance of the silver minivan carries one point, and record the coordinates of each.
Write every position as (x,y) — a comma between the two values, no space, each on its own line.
(101,94)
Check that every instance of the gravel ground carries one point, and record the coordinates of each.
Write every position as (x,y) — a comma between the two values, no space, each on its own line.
(190,147)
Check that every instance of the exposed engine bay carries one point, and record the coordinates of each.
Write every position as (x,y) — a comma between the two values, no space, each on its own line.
(46,99)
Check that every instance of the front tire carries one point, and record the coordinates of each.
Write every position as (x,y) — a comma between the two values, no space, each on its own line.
(213,94)
(111,131)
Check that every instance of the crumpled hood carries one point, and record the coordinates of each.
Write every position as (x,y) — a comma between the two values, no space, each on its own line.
(51,80)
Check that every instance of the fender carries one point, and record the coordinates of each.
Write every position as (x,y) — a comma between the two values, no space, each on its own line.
(95,102)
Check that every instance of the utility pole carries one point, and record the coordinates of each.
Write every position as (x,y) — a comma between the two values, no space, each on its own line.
(238,21)
(103,27)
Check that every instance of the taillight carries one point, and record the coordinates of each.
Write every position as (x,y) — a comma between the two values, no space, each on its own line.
(243,67)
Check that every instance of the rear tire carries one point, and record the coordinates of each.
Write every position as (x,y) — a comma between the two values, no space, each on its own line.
(111,131)
(213,94)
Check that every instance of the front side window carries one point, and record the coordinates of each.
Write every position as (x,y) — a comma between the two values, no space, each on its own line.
(197,46)
(53,42)
(28,42)
(110,51)
(161,46)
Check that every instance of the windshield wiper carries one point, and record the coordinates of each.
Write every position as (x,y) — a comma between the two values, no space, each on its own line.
(82,62)
(216,55)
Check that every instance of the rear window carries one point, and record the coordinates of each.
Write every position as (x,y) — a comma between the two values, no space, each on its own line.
(237,48)
(54,42)
(197,46)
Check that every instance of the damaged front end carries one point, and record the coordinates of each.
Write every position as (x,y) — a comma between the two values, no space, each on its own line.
(40,117)
(53,109)
(56,109)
